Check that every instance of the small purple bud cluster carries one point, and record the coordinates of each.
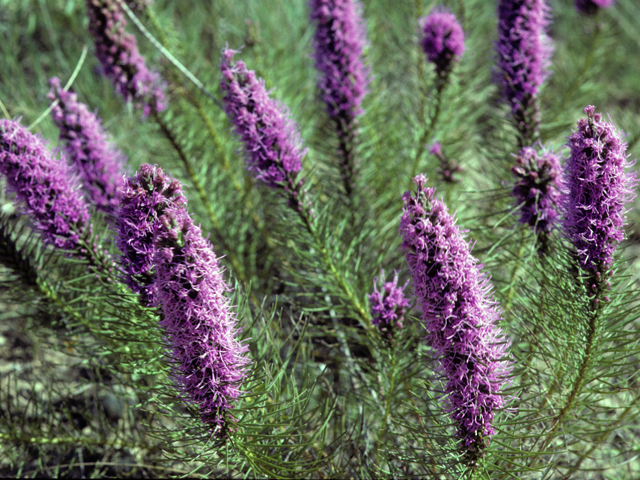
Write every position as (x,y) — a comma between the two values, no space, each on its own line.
(524,52)
(537,188)
(339,42)
(121,61)
(597,190)
(210,363)
(43,185)
(271,141)
(448,167)
(590,7)
(459,315)
(388,306)
(145,196)
(442,39)
(97,161)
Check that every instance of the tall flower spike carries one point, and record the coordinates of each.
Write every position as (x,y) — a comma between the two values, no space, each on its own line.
(459,314)
(590,7)
(210,363)
(121,62)
(388,306)
(524,52)
(597,190)
(144,199)
(442,39)
(98,162)
(43,185)
(339,42)
(537,190)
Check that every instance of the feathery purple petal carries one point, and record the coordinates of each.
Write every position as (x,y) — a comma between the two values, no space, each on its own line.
(388,305)
(442,39)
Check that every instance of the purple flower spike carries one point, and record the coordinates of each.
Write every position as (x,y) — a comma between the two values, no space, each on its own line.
(590,7)
(144,199)
(459,314)
(598,189)
(524,52)
(98,162)
(388,306)
(43,185)
(120,59)
(443,39)
(537,188)
(271,141)
(338,43)
(210,363)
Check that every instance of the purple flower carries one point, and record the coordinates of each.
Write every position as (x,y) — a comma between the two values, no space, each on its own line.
(210,363)
(442,40)
(459,314)
(271,141)
(144,199)
(537,188)
(589,7)
(338,43)
(43,185)
(598,189)
(524,52)
(120,59)
(388,305)
(98,162)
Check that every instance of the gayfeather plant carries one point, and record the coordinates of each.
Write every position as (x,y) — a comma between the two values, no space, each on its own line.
(459,315)
(442,39)
(589,7)
(388,305)
(43,186)
(598,188)
(121,61)
(524,54)
(98,162)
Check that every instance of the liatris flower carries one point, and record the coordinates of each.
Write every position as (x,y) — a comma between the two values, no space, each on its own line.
(271,140)
(120,59)
(98,162)
(590,7)
(144,199)
(459,315)
(524,51)
(443,39)
(597,190)
(44,187)
(448,168)
(537,188)
(209,362)
(388,306)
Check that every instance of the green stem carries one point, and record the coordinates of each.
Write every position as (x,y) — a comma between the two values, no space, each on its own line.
(514,275)
(387,406)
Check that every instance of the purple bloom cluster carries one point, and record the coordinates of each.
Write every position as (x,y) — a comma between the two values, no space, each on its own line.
(388,306)
(524,51)
(443,39)
(597,190)
(271,141)
(43,185)
(144,199)
(98,162)
(590,7)
(120,59)
(339,42)
(537,188)
(459,315)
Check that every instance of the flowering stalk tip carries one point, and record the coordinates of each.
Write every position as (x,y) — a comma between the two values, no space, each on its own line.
(442,40)
(591,7)
(388,306)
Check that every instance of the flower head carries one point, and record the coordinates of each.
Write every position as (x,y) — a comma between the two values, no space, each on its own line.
(121,61)
(459,314)
(589,7)
(388,305)
(43,186)
(144,199)
(98,162)
(537,188)
(443,39)
(597,190)
(271,141)
(339,42)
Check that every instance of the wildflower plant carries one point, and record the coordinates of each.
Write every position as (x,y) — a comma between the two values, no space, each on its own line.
(233,318)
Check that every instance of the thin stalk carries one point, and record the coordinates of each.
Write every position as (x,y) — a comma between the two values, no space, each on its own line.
(514,275)
(387,404)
